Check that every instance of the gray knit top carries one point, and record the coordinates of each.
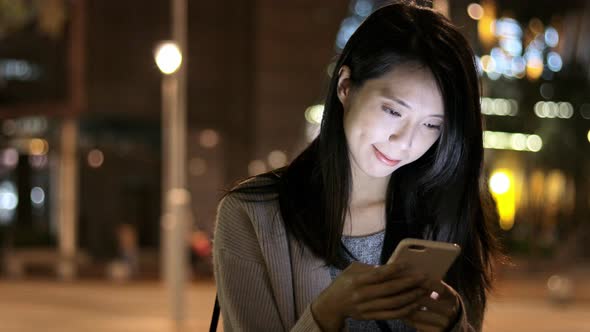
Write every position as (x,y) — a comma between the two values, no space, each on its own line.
(367,249)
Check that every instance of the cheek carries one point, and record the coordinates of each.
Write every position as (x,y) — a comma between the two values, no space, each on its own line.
(363,129)
(423,145)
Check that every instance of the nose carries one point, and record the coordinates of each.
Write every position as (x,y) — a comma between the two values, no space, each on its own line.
(404,136)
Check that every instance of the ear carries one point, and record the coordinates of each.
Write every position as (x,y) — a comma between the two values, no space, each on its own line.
(344,83)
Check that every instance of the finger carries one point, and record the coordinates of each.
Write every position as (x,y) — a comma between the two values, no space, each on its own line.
(442,307)
(436,286)
(382,273)
(392,302)
(358,267)
(388,288)
(430,318)
(388,314)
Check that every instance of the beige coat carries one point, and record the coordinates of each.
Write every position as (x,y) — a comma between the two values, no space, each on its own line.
(264,282)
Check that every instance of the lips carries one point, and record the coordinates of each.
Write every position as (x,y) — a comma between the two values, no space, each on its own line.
(384,159)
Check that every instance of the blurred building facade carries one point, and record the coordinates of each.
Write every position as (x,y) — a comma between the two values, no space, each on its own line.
(253,68)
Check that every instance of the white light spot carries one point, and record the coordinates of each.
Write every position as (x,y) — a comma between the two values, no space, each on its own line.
(256,167)
(9,157)
(314,114)
(168,57)
(551,37)
(554,61)
(37,196)
(277,159)
(475,11)
(499,183)
(518,142)
(534,143)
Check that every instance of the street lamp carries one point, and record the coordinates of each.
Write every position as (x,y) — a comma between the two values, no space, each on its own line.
(168,57)
(176,215)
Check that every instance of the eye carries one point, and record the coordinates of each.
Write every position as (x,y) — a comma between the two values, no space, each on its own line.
(391,111)
(432,126)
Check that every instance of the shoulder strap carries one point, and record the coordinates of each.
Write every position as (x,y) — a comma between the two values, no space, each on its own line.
(215,317)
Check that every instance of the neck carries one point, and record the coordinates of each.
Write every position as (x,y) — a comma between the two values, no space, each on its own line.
(366,190)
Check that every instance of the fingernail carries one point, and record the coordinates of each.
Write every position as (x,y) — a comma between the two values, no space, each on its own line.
(434,295)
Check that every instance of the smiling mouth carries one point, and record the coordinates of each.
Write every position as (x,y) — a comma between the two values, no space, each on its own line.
(384,159)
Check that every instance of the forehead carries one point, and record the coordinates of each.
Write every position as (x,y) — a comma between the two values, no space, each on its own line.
(411,83)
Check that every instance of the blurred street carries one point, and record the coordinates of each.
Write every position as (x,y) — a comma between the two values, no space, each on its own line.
(124,123)
(30,306)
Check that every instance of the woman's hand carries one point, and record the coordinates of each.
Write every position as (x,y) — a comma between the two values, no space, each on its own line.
(438,308)
(366,292)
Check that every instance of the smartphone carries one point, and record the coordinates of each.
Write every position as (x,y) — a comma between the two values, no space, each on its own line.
(432,258)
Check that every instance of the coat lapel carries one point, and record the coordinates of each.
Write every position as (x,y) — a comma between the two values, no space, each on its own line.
(310,276)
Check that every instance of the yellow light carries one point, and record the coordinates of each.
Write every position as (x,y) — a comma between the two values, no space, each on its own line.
(486,24)
(534,68)
(503,189)
(588,135)
(475,11)
(168,57)
(536,26)
(499,183)
(38,147)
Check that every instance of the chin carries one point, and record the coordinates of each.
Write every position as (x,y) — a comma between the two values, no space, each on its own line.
(380,172)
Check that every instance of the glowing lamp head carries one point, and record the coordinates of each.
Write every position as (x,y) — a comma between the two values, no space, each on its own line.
(168,57)
(499,183)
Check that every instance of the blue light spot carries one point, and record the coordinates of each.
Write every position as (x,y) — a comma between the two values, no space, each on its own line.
(511,46)
(363,8)
(551,37)
(554,61)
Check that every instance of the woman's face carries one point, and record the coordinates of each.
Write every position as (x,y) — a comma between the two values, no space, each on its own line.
(390,121)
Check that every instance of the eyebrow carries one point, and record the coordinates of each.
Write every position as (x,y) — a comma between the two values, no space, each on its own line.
(401,102)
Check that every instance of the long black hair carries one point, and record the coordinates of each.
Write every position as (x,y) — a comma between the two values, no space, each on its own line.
(441,195)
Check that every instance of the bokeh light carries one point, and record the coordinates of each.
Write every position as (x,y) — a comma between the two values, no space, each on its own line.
(503,189)
(209,138)
(475,11)
(314,114)
(95,158)
(168,57)
(197,166)
(256,167)
(499,183)
(277,159)
(38,146)
(9,157)
(37,196)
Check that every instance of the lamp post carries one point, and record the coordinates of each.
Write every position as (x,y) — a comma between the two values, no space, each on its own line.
(176,215)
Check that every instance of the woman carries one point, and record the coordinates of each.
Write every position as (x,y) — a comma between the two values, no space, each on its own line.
(399,154)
